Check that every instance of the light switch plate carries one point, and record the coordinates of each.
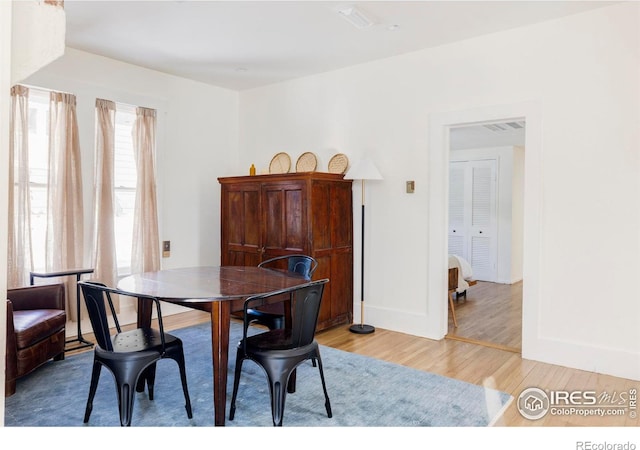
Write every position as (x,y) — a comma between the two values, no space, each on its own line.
(411,187)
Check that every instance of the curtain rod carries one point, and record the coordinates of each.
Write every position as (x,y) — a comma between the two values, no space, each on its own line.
(30,86)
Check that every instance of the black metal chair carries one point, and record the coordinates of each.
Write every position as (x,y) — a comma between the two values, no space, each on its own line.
(301,264)
(280,351)
(129,355)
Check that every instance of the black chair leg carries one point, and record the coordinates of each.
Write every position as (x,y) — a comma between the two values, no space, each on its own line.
(147,377)
(179,358)
(150,378)
(278,374)
(126,381)
(327,404)
(125,403)
(278,397)
(236,383)
(291,384)
(95,376)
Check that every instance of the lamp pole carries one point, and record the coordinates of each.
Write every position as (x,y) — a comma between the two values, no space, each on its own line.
(361,328)
(364,170)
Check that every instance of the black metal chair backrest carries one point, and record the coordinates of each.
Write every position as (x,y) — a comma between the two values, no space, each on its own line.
(305,301)
(305,307)
(300,264)
(95,294)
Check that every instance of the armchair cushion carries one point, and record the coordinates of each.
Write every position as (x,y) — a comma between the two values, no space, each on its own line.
(32,326)
(46,296)
(36,321)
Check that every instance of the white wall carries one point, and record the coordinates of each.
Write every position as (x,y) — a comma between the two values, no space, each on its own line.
(5,113)
(517,214)
(582,86)
(196,142)
(30,51)
(508,269)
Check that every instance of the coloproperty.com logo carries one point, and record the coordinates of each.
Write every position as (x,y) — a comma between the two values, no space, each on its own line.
(535,403)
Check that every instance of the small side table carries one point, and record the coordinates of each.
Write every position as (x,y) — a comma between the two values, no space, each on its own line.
(63,273)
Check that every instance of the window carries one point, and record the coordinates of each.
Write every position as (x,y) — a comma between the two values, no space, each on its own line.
(38,172)
(125,179)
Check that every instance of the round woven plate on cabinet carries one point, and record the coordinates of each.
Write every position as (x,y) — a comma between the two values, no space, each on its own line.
(307,162)
(338,163)
(280,163)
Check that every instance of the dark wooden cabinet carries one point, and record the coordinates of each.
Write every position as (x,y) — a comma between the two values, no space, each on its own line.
(311,213)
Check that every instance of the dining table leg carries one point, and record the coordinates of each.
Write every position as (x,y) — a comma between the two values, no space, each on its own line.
(145,309)
(220,323)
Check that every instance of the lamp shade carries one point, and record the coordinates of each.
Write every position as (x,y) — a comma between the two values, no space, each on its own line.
(364,169)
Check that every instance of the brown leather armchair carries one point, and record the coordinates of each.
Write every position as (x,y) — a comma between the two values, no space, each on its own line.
(36,321)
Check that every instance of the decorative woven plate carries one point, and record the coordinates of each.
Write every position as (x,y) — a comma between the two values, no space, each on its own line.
(280,163)
(307,162)
(338,163)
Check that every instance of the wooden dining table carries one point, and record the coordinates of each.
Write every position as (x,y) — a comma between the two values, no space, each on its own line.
(216,290)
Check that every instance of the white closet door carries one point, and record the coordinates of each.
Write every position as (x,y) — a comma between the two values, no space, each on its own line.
(473,230)
(457,207)
(483,220)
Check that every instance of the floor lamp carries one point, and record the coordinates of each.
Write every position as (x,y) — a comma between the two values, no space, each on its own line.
(363,170)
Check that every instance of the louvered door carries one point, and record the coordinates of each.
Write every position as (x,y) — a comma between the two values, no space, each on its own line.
(459,203)
(483,227)
(473,216)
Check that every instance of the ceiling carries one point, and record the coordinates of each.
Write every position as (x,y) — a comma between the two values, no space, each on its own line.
(245,44)
(501,134)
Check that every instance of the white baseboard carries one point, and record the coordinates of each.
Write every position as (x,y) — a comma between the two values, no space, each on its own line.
(608,361)
(416,324)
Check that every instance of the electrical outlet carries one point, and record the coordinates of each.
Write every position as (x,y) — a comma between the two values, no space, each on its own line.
(166,249)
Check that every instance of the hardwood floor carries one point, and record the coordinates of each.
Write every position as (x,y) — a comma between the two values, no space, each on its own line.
(491,313)
(481,365)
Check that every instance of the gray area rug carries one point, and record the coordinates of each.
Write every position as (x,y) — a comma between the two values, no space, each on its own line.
(364,392)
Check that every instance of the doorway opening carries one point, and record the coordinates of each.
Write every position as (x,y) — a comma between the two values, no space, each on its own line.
(485,232)
(440,123)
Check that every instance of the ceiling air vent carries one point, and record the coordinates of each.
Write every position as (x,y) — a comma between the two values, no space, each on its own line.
(505,127)
(355,17)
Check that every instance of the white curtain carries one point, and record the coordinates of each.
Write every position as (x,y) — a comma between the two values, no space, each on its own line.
(104,241)
(65,237)
(20,256)
(145,255)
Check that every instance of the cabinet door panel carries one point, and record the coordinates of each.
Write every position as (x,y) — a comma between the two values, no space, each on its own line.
(341,210)
(341,289)
(240,224)
(285,225)
(294,220)
(242,258)
(273,211)
(321,216)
